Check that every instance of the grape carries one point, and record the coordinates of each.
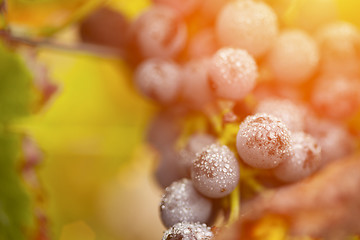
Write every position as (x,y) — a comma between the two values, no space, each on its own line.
(288,112)
(233,73)
(159,32)
(339,44)
(336,96)
(92,28)
(263,141)
(215,171)
(184,7)
(158,79)
(182,203)
(305,159)
(248,25)
(188,231)
(294,57)
(335,141)
(195,87)
(195,145)
(203,44)
(210,9)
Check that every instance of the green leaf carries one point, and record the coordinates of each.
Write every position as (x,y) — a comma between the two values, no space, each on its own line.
(15,86)
(15,211)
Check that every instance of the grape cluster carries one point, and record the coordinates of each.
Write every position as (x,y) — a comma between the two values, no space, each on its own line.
(290,91)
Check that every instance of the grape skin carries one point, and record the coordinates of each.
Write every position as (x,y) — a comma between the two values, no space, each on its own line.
(292,115)
(159,32)
(159,79)
(248,25)
(203,44)
(188,231)
(182,203)
(294,57)
(184,7)
(233,73)
(305,160)
(263,141)
(215,171)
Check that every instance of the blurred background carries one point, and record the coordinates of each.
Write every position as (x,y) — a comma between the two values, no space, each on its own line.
(96,175)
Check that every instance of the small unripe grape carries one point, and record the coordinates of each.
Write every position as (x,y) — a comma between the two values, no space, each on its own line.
(305,160)
(195,144)
(294,57)
(195,86)
(288,112)
(339,44)
(182,203)
(247,24)
(215,171)
(203,44)
(335,141)
(263,141)
(158,79)
(184,7)
(188,231)
(233,73)
(159,32)
(337,97)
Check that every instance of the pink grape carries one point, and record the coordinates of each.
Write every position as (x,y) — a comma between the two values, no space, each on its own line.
(233,73)
(184,7)
(159,32)
(188,231)
(290,113)
(263,141)
(203,44)
(195,86)
(305,160)
(215,171)
(294,57)
(247,24)
(159,80)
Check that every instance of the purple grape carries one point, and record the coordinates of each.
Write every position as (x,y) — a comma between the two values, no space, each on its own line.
(195,144)
(159,79)
(159,32)
(263,141)
(196,91)
(182,203)
(305,160)
(291,114)
(188,231)
(247,24)
(215,171)
(294,57)
(233,73)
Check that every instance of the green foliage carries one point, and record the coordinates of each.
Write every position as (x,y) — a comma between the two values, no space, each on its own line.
(15,86)
(15,213)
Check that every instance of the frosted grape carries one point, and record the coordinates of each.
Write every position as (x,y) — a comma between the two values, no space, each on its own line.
(195,86)
(294,57)
(337,97)
(158,79)
(247,24)
(159,32)
(188,231)
(263,141)
(305,160)
(215,171)
(196,143)
(233,73)
(335,141)
(288,112)
(182,203)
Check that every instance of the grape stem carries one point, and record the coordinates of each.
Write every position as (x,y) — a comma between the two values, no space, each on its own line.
(234,205)
(47,43)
